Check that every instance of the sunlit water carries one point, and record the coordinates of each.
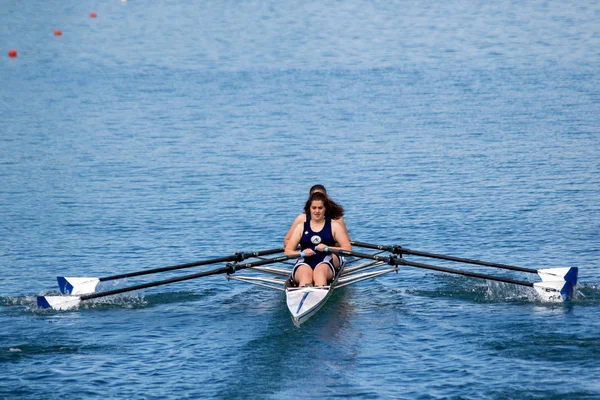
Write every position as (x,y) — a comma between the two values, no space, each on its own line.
(167,132)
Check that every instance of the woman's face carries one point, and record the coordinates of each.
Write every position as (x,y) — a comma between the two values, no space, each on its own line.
(317,210)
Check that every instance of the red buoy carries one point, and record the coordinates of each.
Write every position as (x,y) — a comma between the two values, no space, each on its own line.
(12,53)
(57,32)
(93,15)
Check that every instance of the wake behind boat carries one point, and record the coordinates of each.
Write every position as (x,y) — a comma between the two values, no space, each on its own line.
(557,284)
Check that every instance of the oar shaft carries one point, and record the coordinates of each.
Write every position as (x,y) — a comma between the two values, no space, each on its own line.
(233,257)
(402,250)
(400,261)
(229,269)
(374,246)
(469,261)
(222,270)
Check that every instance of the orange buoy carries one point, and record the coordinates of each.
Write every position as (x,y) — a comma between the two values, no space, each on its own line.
(57,32)
(12,53)
(93,15)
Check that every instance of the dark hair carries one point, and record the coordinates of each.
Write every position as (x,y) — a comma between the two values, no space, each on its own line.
(319,188)
(332,209)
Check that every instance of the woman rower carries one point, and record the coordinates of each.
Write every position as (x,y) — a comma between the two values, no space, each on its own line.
(335,213)
(316,236)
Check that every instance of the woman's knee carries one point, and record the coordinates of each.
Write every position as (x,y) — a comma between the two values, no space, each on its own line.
(302,272)
(324,270)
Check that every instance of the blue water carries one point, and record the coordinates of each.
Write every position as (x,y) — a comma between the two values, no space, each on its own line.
(168,132)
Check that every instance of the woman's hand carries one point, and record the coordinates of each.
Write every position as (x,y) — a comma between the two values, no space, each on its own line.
(308,252)
(320,247)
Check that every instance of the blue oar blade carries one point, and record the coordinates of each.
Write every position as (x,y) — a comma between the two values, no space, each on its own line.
(568,274)
(58,302)
(42,302)
(554,291)
(72,285)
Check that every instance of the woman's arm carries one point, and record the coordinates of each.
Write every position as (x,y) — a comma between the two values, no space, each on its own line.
(300,219)
(343,225)
(292,244)
(293,240)
(340,235)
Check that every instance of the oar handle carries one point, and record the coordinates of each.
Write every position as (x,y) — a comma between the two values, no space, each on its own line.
(375,257)
(402,250)
(234,257)
(236,267)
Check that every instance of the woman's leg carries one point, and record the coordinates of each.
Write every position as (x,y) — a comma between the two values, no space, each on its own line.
(335,261)
(303,275)
(322,274)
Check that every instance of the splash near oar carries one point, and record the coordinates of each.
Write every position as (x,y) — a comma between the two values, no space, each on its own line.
(557,283)
(546,274)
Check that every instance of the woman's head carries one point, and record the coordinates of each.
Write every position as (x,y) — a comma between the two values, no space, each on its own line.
(317,188)
(317,206)
(332,209)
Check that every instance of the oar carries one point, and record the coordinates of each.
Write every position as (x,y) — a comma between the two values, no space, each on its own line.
(69,302)
(555,290)
(546,274)
(76,285)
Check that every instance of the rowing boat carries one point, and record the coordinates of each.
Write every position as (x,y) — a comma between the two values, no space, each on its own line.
(557,284)
(304,302)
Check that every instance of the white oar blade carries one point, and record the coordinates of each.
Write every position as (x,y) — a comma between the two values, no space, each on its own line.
(58,302)
(568,274)
(554,291)
(70,285)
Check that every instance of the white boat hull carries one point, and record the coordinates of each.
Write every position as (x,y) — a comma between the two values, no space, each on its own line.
(304,302)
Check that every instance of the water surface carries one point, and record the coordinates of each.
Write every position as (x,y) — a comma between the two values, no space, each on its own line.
(157,134)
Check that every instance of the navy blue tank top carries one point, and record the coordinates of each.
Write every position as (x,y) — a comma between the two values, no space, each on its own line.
(311,239)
